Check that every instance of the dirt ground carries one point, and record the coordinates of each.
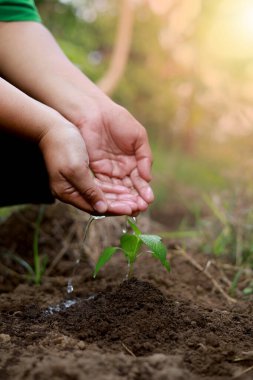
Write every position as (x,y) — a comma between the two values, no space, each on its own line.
(156,326)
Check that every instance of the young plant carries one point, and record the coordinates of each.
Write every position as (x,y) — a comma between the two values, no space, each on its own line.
(130,245)
(35,271)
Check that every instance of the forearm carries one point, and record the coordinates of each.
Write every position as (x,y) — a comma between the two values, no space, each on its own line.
(24,116)
(31,59)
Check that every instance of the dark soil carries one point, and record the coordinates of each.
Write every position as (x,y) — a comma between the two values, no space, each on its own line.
(160,326)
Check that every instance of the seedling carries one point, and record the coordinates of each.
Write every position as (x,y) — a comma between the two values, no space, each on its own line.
(34,272)
(130,245)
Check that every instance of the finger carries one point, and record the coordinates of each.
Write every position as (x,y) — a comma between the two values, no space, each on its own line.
(142,205)
(143,155)
(142,187)
(144,167)
(75,199)
(108,187)
(82,180)
(120,208)
(121,197)
(127,182)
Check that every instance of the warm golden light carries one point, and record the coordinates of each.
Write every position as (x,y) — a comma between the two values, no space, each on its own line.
(231,31)
(160,6)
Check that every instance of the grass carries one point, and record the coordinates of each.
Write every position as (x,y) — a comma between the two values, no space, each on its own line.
(214,196)
(197,171)
(36,270)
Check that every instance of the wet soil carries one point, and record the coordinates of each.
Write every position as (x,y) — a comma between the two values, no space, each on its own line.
(156,326)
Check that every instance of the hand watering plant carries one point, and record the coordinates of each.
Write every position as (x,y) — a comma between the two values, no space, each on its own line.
(130,245)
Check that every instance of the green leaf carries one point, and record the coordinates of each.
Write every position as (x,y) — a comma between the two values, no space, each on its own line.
(235,282)
(21,262)
(131,245)
(158,249)
(221,242)
(247,291)
(220,215)
(136,230)
(104,258)
(43,264)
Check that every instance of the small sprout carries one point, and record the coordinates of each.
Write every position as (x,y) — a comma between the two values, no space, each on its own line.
(130,245)
(36,271)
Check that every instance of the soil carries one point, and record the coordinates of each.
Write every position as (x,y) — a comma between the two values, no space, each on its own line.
(156,326)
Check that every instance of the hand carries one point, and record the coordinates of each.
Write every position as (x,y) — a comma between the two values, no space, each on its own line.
(71,180)
(66,159)
(119,154)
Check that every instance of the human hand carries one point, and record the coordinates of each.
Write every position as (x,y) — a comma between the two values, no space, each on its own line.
(119,154)
(71,180)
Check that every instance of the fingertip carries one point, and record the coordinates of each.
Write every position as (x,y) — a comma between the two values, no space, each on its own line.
(142,205)
(148,195)
(100,207)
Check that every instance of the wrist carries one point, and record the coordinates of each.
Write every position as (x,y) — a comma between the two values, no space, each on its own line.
(58,131)
(85,101)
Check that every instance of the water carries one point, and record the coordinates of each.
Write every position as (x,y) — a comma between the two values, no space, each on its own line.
(66,304)
(128,270)
(126,227)
(60,307)
(70,287)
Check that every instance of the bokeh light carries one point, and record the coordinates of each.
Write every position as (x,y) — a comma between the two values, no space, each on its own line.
(230,35)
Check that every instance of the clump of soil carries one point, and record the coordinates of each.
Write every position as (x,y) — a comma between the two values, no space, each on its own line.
(157,327)
(138,318)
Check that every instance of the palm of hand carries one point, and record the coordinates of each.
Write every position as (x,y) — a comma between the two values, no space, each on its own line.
(120,163)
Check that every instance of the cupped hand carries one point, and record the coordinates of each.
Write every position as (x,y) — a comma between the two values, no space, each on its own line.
(71,180)
(119,155)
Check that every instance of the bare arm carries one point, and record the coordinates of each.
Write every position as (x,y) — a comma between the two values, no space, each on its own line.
(24,116)
(31,59)
(61,144)
(116,143)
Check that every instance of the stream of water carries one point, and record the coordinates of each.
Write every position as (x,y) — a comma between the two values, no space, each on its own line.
(70,287)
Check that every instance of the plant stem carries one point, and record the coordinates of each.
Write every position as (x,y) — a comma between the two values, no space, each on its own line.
(130,270)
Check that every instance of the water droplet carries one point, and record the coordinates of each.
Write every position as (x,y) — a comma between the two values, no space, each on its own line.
(70,287)
(97,217)
(124,230)
(92,297)
(66,304)
(69,303)
(128,266)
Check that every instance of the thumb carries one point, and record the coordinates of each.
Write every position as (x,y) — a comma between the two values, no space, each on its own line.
(83,181)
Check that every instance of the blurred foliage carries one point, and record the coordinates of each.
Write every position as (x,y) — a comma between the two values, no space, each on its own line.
(228,229)
(179,82)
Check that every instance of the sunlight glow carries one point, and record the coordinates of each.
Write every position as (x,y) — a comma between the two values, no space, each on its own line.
(160,6)
(231,32)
